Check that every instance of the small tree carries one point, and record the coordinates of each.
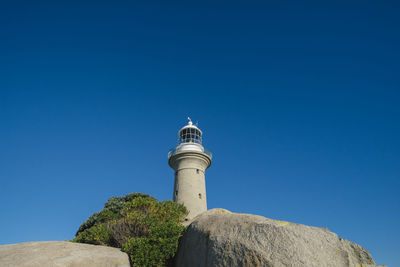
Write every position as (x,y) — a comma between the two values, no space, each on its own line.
(146,229)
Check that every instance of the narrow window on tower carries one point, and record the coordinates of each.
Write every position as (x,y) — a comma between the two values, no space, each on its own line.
(197,171)
(200,196)
(176,192)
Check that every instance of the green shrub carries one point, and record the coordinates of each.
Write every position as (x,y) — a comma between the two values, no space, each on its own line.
(99,234)
(110,211)
(137,223)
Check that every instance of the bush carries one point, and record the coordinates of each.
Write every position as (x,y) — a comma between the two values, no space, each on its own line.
(137,223)
(99,234)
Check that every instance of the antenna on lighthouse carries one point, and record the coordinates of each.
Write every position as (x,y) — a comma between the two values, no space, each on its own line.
(190,121)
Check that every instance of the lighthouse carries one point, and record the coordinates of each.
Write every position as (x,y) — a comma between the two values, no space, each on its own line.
(190,159)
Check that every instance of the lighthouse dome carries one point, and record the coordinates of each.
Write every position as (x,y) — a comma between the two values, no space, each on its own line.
(190,139)
(190,134)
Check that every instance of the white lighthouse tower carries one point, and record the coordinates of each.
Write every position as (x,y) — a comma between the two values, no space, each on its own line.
(190,161)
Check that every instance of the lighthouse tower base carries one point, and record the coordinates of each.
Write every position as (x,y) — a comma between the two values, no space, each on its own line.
(190,185)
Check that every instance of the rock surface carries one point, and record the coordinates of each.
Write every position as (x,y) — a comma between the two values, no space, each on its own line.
(221,238)
(59,253)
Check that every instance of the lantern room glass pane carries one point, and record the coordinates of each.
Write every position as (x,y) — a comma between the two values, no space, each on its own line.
(190,135)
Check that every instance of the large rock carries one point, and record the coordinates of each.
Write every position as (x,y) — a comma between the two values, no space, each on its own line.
(58,253)
(221,238)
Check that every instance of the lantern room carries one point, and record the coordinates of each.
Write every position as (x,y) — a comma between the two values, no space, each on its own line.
(190,134)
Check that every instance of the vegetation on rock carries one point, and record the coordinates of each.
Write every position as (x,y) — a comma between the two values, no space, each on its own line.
(148,230)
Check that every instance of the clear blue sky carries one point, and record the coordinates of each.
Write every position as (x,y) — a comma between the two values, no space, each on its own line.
(299,102)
